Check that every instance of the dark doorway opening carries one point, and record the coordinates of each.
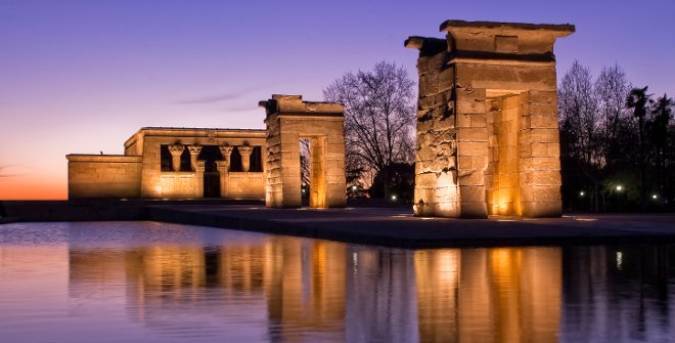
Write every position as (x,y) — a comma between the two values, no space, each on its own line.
(210,154)
(305,172)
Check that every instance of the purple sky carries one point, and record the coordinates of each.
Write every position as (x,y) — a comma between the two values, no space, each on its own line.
(82,76)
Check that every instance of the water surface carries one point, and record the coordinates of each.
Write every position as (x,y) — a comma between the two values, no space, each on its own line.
(152,282)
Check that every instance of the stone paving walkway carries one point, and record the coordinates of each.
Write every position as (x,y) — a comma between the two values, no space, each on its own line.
(397,227)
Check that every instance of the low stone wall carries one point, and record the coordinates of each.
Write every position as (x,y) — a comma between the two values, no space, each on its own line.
(245,186)
(104,176)
(180,185)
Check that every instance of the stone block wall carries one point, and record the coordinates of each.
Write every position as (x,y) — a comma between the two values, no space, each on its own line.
(180,185)
(487,125)
(244,186)
(103,176)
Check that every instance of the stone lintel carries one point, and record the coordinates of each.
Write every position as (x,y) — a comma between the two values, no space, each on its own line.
(558,30)
(294,105)
(499,58)
(192,133)
(503,41)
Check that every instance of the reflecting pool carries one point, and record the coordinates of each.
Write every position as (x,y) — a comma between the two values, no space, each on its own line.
(156,282)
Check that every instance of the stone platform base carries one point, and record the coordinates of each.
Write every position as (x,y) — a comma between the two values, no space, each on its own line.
(374,226)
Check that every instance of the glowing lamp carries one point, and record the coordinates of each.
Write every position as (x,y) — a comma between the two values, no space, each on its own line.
(393,197)
(619,188)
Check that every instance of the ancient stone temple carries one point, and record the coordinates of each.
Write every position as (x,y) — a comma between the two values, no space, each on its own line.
(236,164)
(289,120)
(487,124)
(175,163)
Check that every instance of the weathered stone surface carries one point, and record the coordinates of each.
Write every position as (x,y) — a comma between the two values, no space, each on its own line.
(487,117)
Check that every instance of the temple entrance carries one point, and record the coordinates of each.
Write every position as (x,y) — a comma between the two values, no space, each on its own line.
(503,173)
(210,154)
(312,172)
(305,172)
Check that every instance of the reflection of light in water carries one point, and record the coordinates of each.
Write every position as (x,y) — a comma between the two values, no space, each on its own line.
(619,260)
(448,266)
(355,259)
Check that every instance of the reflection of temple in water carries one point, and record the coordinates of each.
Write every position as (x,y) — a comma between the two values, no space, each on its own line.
(300,284)
(489,295)
(299,289)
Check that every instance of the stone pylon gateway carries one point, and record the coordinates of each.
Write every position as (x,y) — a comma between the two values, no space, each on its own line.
(487,123)
(290,119)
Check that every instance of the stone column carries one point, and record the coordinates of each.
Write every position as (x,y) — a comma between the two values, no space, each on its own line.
(245,152)
(176,151)
(226,151)
(194,153)
(223,169)
(199,168)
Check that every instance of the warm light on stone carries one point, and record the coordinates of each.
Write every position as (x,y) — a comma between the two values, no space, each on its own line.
(487,125)
(290,119)
(140,173)
(245,152)
(194,153)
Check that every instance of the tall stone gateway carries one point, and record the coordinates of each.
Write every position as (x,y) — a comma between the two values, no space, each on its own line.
(487,123)
(290,120)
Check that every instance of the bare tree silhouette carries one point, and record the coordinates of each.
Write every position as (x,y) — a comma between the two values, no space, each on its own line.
(379,117)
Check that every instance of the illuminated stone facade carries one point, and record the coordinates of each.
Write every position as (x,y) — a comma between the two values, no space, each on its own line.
(290,119)
(175,163)
(487,124)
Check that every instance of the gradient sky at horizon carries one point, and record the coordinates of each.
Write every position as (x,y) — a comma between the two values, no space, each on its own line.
(82,76)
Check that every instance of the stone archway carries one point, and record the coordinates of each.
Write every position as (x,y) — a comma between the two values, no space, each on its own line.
(290,119)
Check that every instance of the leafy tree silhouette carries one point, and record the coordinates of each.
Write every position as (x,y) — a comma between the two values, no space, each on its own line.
(662,114)
(638,100)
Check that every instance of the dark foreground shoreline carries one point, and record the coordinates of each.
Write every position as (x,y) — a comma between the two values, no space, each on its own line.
(394,227)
